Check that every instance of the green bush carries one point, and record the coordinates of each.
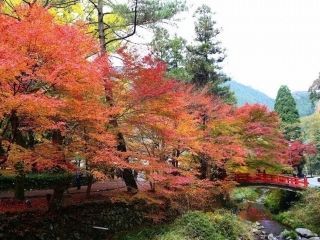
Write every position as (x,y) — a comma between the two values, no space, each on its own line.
(6,182)
(280,200)
(306,213)
(197,225)
(244,193)
(230,225)
(289,234)
(220,225)
(272,200)
(37,181)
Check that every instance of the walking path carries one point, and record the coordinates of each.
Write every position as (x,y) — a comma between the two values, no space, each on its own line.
(96,187)
(313,182)
(108,185)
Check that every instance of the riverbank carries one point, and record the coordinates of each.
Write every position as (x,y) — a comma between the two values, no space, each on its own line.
(278,214)
(218,225)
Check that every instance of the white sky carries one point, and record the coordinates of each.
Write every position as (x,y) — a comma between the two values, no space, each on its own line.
(268,42)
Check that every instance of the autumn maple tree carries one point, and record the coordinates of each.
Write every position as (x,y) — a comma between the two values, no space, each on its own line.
(298,152)
(151,115)
(61,99)
(50,94)
(259,130)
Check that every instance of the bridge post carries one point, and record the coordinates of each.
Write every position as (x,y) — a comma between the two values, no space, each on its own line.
(305,182)
(296,181)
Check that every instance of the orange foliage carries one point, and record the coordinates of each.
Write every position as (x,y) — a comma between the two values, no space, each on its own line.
(261,135)
(47,84)
(49,89)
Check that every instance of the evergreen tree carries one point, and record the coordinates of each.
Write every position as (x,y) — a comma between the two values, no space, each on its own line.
(206,55)
(285,106)
(313,162)
(171,50)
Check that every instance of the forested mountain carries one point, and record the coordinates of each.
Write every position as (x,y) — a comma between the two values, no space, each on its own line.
(246,94)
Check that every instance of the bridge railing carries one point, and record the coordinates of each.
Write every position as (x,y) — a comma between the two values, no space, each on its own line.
(263,178)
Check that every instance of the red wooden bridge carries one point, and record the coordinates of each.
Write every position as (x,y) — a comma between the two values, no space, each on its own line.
(280,181)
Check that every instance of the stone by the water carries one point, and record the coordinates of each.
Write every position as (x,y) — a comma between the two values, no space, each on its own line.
(304,232)
(271,237)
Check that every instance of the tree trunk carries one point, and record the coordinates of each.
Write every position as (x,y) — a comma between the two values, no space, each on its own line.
(89,186)
(102,39)
(152,186)
(300,170)
(19,188)
(203,167)
(56,200)
(129,180)
(127,173)
(19,181)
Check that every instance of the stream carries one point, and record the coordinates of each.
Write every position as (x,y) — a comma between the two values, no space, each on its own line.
(256,212)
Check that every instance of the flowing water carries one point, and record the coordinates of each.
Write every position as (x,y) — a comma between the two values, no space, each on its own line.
(256,212)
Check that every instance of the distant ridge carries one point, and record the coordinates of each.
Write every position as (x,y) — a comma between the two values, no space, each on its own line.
(303,102)
(246,94)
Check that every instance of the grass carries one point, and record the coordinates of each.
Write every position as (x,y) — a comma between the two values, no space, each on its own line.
(220,225)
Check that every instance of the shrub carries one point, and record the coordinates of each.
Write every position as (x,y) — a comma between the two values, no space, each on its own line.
(230,225)
(244,193)
(286,234)
(280,200)
(198,225)
(219,225)
(304,214)
(36,181)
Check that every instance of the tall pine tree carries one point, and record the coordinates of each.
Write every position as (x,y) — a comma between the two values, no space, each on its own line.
(172,50)
(285,106)
(206,55)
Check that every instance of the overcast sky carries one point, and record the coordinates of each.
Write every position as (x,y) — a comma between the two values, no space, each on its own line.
(268,42)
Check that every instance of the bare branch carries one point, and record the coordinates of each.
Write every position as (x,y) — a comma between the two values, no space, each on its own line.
(134,26)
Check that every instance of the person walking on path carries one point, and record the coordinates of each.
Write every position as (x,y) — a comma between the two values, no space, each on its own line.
(78,180)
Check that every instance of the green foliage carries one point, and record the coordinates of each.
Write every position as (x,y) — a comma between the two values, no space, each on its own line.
(304,214)
(219,225)
(279,200)
(310,126)
(289,234)
(206,55)
(153,11)
(285,106)
(171,50)
(200,63)
(252,163)
(241,194)
(198,225)
(313,162)
(37,181)
(246,94)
